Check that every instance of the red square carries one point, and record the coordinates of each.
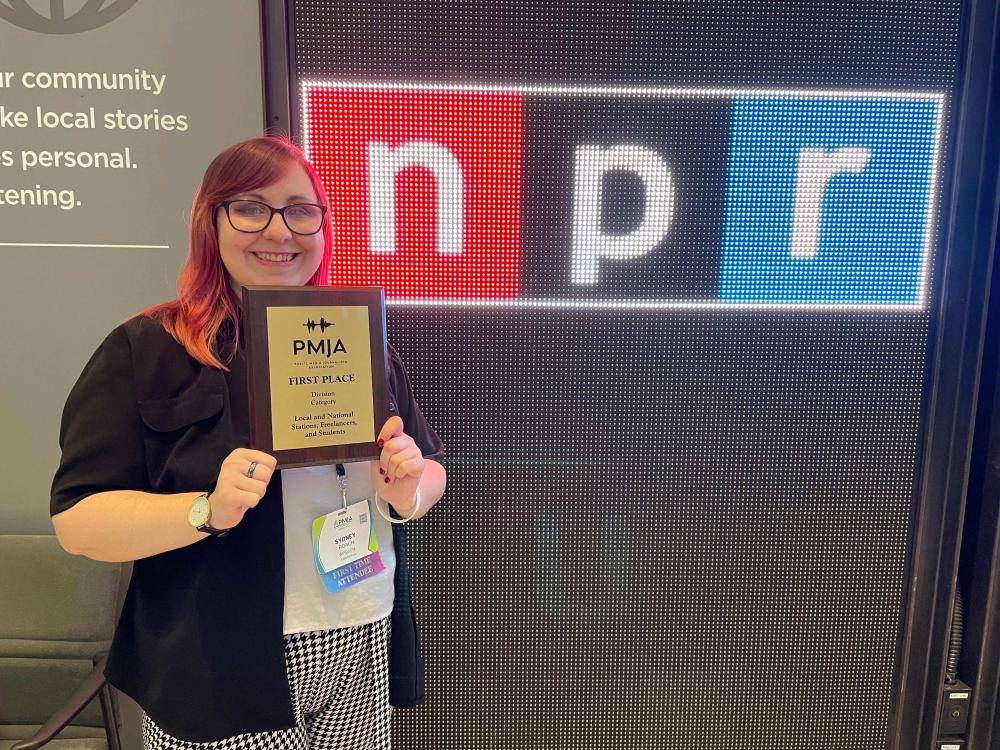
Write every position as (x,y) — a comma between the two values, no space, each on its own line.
(424,188)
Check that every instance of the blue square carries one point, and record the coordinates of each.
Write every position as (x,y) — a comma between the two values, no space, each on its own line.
(828,200)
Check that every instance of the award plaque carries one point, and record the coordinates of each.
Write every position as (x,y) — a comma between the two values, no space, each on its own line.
(317,372)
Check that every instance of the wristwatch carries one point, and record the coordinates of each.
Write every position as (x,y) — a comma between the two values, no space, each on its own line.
(199,515)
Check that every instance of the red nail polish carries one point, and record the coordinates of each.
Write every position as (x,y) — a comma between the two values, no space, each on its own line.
(381,470)
(381,442)
(387,480)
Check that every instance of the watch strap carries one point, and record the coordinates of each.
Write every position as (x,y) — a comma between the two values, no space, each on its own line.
(213,531)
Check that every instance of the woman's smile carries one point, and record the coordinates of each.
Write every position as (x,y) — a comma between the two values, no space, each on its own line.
(274,259)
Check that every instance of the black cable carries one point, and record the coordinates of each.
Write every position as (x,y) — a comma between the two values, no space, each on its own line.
(955,642)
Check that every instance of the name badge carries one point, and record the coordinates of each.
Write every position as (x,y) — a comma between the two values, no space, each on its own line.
(345,546)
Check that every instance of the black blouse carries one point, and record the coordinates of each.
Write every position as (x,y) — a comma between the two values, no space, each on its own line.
(199,643)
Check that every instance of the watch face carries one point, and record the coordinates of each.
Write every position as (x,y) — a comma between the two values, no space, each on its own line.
(199,512)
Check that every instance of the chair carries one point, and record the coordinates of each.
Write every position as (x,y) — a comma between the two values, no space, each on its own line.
(57,616)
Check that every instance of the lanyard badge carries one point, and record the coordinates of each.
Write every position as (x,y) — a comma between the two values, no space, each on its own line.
(344,544)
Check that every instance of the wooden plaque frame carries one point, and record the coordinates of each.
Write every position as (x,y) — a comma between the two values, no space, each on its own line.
(256,301)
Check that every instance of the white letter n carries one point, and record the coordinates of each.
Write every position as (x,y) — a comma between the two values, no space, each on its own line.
(384,163)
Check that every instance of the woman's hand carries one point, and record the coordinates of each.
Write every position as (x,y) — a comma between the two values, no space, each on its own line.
(235,492)
(399,468)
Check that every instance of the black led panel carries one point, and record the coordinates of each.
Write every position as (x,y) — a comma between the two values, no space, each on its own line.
(663,275)
(664,527)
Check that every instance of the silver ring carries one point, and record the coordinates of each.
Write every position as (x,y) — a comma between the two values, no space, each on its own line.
(252,469)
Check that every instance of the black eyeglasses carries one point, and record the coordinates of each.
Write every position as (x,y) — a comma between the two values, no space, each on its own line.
(253,216)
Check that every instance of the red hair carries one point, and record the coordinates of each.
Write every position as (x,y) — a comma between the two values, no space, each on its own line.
(205,298)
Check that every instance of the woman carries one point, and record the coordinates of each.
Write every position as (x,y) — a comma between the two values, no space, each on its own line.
(228,635)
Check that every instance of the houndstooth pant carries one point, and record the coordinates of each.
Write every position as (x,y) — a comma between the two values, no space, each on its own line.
(340,692)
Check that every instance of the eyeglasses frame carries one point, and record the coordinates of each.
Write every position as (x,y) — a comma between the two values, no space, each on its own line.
(226,204)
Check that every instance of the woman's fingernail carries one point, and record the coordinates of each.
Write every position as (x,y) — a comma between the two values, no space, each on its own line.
(381,442)
(387,480)
(381,470)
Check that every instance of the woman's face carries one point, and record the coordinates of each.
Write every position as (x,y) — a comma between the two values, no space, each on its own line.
(274,256)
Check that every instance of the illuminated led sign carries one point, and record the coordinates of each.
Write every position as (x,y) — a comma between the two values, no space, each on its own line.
(629,197)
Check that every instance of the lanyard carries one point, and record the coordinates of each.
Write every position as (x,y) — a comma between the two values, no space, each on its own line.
(342,478)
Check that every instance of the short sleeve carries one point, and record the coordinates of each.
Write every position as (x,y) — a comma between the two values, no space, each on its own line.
(414,423)
(101,433)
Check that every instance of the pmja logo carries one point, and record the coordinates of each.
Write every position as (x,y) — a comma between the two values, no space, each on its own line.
(62,16)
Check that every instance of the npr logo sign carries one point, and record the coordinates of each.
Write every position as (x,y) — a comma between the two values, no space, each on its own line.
(636,197)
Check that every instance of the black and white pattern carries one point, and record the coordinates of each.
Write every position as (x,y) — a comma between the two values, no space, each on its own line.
(340,691)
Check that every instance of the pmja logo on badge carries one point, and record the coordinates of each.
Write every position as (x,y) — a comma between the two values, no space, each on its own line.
(62,16)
